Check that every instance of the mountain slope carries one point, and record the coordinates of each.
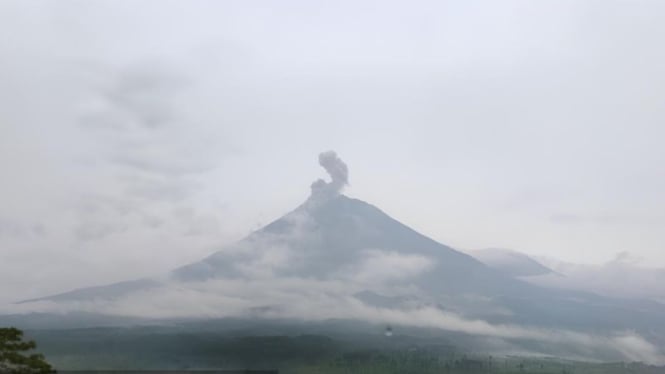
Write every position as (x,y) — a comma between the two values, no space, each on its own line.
(323,238)
(511,263)
(331,238)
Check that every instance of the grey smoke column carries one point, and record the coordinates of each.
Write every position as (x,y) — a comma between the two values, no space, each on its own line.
(339,174)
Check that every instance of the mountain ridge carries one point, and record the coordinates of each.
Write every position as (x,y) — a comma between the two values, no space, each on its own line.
(510,262)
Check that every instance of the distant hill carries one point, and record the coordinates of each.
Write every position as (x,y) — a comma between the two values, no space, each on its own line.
(340,239)
(509,262)
(620,277)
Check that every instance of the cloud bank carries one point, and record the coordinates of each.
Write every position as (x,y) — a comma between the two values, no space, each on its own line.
(319,300)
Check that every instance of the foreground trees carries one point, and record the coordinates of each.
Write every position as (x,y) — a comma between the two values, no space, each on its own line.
(15,356)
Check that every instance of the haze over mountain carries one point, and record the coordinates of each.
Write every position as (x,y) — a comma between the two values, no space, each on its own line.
(510,262)
(624,276)
(335,257)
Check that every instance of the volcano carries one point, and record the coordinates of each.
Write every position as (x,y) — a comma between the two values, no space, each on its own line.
(331,237)
(336,257)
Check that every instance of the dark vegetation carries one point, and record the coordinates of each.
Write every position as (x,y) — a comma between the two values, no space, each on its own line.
(192,348)
(17,356)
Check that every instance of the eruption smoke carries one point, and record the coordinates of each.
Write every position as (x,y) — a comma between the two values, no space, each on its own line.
(338,171)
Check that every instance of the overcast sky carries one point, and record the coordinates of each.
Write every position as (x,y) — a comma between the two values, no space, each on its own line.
(136,136)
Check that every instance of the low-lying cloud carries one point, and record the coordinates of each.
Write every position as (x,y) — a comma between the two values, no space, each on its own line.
(318,300)
(378,266)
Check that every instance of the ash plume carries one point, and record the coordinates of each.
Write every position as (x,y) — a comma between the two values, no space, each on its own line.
(338,171)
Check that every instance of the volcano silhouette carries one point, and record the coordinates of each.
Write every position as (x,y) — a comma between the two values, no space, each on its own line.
(332,237)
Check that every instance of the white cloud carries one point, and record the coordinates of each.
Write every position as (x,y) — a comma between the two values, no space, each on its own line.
(378,266)
(625,276)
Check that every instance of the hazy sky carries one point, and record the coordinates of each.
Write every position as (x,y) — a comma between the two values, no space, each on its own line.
(136,136)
